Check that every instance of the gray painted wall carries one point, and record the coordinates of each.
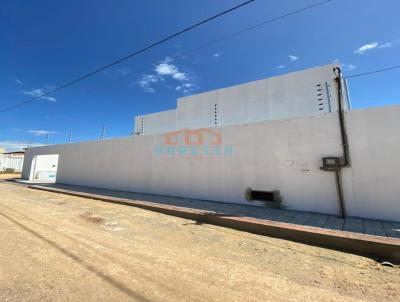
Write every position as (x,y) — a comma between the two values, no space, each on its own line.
(280,155)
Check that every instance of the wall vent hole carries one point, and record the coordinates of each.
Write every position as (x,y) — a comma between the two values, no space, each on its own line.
(270,197)
(262,196)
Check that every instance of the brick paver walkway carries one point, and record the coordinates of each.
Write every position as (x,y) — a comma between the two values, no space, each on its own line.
(350,224)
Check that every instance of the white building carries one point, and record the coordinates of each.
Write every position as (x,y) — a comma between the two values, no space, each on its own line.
(263,140)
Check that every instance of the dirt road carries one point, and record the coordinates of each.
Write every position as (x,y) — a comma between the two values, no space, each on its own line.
(55,247)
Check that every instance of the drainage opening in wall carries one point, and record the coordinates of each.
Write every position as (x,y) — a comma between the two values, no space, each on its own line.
(269,197)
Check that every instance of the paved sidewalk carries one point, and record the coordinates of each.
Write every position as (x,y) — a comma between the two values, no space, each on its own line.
(379,228)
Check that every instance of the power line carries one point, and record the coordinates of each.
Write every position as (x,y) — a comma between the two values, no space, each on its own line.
(197,48)
(180,54)
(371,72)
(128,56)
(294,12)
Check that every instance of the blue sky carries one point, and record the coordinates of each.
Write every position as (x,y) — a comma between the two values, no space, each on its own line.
(45,43)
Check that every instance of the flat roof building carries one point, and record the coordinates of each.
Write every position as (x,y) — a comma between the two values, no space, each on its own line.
(258,142)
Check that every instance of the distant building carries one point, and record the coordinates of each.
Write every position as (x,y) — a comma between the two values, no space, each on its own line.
(12,161)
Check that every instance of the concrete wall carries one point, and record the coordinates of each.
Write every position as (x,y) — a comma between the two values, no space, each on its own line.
(372,184)
(280,155)
(159,122)
(303,93)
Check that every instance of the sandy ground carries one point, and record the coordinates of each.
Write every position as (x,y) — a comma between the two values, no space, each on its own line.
(4,175)
(56,247)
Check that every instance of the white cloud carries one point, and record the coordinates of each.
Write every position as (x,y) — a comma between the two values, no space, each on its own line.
(17,145)
(37,92)
(216,55)
(348,66)
(385,45)
(166,69)
(181,76)
(167,60)
(49,98)
(18,81)
(187,88)
(146,81)
(280,66)
(188,85)
(361,50)
(163,71)
(293,58)
(41,132)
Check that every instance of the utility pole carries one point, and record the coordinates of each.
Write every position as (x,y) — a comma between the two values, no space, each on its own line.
(70,136)
(30,143)
(103,132)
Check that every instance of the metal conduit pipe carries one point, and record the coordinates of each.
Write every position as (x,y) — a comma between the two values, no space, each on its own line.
(335,164)
(343,132)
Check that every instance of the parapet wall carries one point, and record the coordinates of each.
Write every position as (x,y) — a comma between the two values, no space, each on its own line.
(304,93)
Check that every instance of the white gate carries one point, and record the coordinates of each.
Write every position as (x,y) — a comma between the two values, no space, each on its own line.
(44,168)
(11,162)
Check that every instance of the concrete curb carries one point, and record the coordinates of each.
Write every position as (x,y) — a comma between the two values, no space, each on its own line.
(361,244)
